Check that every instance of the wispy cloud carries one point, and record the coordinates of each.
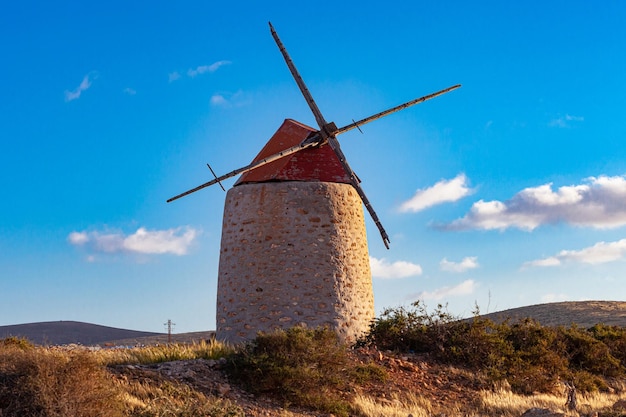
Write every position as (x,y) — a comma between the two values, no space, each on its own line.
(130,91)
(381,268)
(550,261)
(173,76)
(466,264)
(565,121)
(171,241)
(601,252)
(229,100)
(192,72)
(444,191)
(83,86)
(599,203)
(465,288)
(218,100)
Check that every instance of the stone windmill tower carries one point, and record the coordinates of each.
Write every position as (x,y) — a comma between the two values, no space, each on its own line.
(294,246)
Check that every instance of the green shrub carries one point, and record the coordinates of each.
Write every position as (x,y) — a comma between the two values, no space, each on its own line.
(304,367)
(614,338)
(531,357)
(411,329)
(587,353)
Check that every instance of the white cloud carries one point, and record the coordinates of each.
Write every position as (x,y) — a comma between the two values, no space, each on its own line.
(192,72)
(173,76)
(564,121)
(381,268)
(601,252)
(444,191)
(466,264)
(550,261)
(218,100)
(173,241)
(465,288)
(78,238)
(229,100)
(599,203)
(84,85)
(130,91)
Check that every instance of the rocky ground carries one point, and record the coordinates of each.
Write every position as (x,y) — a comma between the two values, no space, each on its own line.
(442,386)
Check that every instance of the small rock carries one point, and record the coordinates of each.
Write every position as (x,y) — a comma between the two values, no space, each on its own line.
(620,405)
(223,389)
(541,412)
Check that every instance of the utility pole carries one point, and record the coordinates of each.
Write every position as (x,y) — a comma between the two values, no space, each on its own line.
(169,325)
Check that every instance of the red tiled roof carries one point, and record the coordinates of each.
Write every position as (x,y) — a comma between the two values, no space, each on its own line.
(313,164)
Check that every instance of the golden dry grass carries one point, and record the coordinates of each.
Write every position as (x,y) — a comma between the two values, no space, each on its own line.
(500,403)
(75,382)
(51,383)
(151,398)
(507,404)
(165,353)
(413,404)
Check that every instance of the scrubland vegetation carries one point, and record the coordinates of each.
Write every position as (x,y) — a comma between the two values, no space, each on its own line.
(528,356)
(511,367)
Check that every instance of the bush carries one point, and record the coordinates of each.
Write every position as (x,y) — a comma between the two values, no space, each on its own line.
(586,353)
(305,367)
(16,342)
(614,338)
(531,357)
(411,330)
(41,382)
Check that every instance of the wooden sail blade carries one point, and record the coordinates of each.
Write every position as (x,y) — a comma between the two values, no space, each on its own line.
(354,180)
(394,109)
(308,143)
(296,75)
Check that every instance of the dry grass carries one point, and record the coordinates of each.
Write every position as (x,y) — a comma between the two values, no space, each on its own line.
(43,382)
(501,403)
(164,353)
(507,404)
(150,398)
(62,382)
(413,404)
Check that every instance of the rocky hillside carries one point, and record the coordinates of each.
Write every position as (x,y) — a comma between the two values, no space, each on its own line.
(582,313)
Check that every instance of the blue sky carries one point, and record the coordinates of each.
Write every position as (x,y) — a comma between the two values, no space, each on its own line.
(509,191)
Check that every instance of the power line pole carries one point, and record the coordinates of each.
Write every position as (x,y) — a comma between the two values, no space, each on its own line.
(169,325)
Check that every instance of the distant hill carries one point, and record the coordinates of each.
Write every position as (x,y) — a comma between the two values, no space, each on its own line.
(583,313)
(66,332)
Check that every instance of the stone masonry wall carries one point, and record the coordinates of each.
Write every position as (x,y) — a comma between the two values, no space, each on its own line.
(293,253)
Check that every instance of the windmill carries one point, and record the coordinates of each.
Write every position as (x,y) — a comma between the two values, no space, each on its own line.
(254,268)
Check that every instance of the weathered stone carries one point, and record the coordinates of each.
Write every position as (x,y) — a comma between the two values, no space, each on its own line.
(318,262)
(620,405)
(541,412)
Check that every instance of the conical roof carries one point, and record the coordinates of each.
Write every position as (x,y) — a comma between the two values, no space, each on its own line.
(312,164)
